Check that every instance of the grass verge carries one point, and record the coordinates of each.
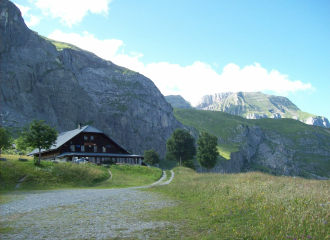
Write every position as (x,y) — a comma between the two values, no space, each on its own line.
(243,206)
(51,175)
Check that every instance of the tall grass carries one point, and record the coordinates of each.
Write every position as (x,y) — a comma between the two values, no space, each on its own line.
(245,206)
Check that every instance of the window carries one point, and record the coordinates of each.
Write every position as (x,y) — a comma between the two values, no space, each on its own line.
(92,137)
(82,148)
(72,147)
(104,149)
(95,148)
(98,160)
(85,138)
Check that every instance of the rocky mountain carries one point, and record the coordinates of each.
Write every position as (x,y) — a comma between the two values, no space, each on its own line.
(281,146)
(256,105)
(178,101)
(45,79)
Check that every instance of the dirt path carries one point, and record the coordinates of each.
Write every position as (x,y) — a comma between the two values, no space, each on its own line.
(81,214)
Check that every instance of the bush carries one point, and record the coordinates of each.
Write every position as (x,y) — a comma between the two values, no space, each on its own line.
(151,157)
(109,161)
(36,161)
(189,164)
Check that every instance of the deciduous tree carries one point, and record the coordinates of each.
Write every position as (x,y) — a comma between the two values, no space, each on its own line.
(151,157)
(180,147)
(22,146)
(40,135)
(207,151)
(5,139)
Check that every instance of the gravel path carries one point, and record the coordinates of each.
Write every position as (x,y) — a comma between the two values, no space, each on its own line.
(81,214)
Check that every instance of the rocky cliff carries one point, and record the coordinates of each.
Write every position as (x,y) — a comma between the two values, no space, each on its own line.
(65,85)
(256,105)
(277,146)
(277,153)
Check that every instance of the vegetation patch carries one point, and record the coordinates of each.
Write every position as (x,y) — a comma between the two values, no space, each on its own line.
(51,175)
(316,164)
(226,149)
(243,206)
(60,45)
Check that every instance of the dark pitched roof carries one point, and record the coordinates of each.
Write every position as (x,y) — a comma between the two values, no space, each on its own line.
(88,154)
(63,137)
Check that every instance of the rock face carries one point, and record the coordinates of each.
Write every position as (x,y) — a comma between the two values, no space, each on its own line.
(256,116)
(256,105)
(277,153)
(276,116)
(177,101)
(70,86)
(276,146)
(318,121)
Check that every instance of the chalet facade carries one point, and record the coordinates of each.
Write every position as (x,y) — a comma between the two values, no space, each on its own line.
(89,143)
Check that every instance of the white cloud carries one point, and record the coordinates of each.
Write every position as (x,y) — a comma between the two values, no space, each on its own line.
(71,11)
(105,49)
(192,81)
(23,9)
(34,20)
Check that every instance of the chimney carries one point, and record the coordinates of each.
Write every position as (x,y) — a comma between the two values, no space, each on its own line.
(79,125)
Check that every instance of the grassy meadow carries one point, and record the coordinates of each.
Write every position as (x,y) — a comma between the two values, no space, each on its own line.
(68,175)
(250,205)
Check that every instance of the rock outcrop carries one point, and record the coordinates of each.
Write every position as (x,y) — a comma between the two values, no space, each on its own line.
(70,86)
(276,116)
(256,105)
(318,121)
(276,146)
(276,153)
(256,116)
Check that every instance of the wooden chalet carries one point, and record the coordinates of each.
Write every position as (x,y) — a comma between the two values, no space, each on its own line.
(89,143)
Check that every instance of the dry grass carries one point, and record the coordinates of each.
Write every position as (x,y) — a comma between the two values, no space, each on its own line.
(245,206)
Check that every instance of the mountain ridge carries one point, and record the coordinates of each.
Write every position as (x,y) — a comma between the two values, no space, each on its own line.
(256,105)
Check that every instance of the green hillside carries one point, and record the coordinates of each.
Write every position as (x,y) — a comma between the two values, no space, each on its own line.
(221,124)
(177,101)
(288,141)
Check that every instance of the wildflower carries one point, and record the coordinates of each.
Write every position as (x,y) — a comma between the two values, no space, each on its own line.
(309,236)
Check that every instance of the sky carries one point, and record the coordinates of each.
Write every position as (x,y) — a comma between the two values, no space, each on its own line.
(194,48)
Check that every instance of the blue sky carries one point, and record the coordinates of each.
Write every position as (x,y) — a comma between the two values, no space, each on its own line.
(193,48)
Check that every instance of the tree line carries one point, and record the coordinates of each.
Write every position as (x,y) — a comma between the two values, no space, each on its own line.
(180,147)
